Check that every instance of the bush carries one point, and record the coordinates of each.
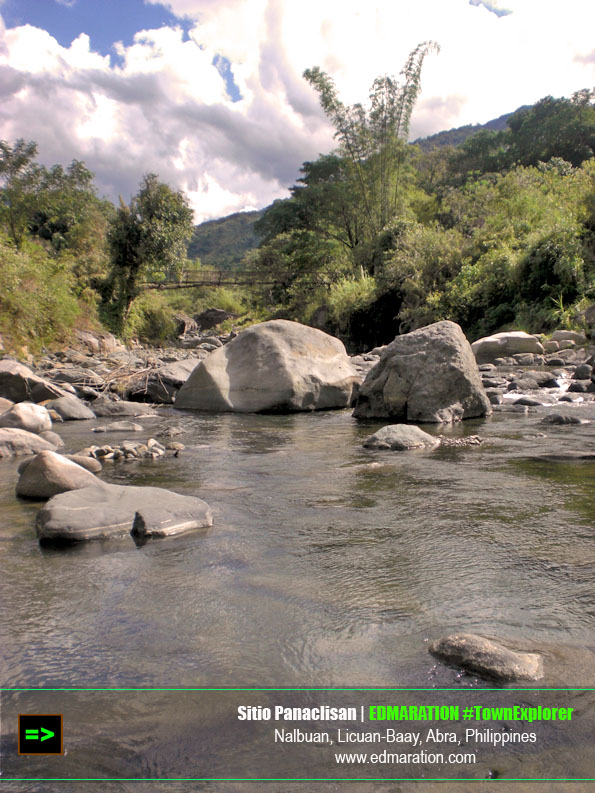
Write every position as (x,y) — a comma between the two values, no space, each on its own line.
(37,304)
(150,319)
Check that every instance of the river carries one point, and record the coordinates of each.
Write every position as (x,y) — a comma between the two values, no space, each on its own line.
(328,565)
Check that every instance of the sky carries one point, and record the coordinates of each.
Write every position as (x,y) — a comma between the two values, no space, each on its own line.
(209,94)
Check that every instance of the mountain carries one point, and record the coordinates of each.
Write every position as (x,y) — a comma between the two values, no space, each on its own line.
(458,135)
(223,242)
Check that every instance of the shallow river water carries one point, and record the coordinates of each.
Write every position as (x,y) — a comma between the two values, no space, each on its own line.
(328,565)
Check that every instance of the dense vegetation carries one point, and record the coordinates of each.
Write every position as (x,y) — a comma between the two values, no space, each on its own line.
(223,243)
(377,237)
(380,237)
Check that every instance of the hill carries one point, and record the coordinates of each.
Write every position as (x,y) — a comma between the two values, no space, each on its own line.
(222,243)
(458,135)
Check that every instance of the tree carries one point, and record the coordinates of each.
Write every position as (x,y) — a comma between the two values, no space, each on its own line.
(374,141)
(147,240)
(19,180)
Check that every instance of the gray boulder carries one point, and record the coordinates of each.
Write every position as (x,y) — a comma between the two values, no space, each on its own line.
(18,383)
(15,442)
(569,335)
(103,511)
(70,409)
(48,474)
(487,658)
(428,375)
(502,345)
(401,437)
(278,366)
(89,463)
(27,416)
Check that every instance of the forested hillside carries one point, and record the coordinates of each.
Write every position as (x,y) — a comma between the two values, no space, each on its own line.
(223,243)
(377,237)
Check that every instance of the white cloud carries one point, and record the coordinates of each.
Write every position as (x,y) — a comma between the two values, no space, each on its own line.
(164,107)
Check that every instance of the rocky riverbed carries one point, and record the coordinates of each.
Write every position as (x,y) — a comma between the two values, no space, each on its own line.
(327,562)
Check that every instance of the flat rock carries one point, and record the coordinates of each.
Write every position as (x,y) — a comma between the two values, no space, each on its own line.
(120,426)
(19,384)
(104,511)
(428,375)
(401,437)
(70,409)
(569,335)
(487,658)
(104,408)
(502,345)
(27,416)
(277,366)
(48,474)
(15,442)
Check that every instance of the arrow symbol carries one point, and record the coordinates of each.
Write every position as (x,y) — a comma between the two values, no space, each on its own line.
(47,734)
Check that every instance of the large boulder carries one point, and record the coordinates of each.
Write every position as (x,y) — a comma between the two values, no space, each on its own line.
(70,409)
(19,384)
(487,658)
(27,416)
(400,438)
(103,511)
(14,442)
(278,366)
(48,474)
(502,345)
(428,375)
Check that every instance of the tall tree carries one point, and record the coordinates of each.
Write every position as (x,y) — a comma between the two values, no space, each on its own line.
(147,239)
(373,141)
(19,181)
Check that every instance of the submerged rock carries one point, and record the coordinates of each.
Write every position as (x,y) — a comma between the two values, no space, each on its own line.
(277,366)
(401,437)
(560,418)
(103,511)
(428,375)
(487,658)
(48,474)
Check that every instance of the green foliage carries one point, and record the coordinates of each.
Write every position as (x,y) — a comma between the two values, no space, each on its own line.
(150,319)
(37,304)
(19,180)
(372,142)
(347,298)
(148,241)
(223,243)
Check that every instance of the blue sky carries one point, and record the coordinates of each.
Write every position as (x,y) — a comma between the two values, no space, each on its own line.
(105,21)
(211,96)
